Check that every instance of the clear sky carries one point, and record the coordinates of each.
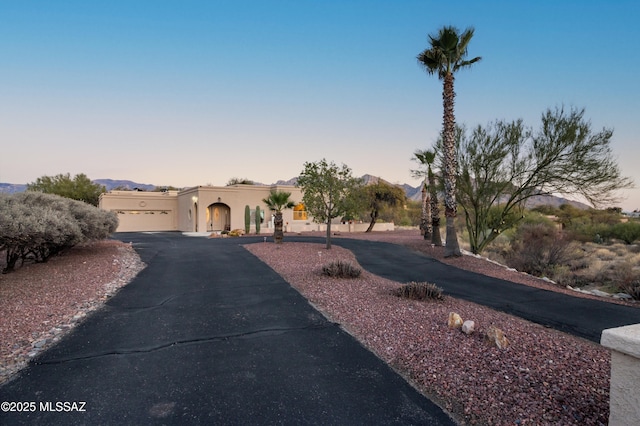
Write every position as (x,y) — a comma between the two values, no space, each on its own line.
(189,93)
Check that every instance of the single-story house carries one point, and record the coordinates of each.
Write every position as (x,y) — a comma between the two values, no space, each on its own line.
(209,209)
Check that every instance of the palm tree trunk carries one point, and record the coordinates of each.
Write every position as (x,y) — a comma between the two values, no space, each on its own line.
(425,223)
(452,247)
(436,238)
(278,234)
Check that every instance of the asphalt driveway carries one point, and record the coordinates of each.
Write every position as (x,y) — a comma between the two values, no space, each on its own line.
(581,317)
(208,334)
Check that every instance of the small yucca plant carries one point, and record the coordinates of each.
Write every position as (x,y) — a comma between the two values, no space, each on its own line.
(419,291)
(341,269)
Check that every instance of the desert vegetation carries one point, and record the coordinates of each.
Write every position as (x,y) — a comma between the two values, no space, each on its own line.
(36,226)
(419,291)
(341,269)
(581,248)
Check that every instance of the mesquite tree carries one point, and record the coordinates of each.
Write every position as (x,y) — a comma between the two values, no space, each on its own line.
(503,164)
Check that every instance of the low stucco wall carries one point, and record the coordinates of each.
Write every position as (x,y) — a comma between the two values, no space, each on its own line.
(624,402)
(337,227)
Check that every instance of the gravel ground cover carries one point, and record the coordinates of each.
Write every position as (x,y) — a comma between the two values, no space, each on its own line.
(40,303)
(543,377)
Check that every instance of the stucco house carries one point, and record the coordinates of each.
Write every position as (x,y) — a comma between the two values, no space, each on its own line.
(209,209)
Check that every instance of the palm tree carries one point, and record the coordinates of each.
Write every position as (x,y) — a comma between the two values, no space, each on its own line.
(425,220)
(431,209)
(446,55)
(277,201)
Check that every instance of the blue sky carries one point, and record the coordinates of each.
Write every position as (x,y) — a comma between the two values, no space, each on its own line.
(188,93)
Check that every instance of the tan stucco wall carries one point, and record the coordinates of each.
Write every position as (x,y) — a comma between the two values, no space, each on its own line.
(236,197)
(143,211)
(186,210)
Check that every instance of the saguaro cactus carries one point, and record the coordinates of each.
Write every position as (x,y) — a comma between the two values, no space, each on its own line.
(258,219)
(247,219)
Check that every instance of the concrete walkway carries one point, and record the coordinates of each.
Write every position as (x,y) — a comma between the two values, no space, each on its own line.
(208,334)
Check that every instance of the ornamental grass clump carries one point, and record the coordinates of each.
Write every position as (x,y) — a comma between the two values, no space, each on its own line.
(419,291)
(341,269)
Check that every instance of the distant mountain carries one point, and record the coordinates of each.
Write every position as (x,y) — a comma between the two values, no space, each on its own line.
(413,193)
(290,182)
(124,184)
(12,188)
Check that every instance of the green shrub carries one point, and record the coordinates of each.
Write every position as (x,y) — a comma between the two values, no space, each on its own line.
(419,291)
(627,232)
(341,269)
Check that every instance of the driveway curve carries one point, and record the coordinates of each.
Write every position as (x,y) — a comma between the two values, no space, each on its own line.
(578,316)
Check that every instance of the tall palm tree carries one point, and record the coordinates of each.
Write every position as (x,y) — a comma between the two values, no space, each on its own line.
(277,201)
(445,56)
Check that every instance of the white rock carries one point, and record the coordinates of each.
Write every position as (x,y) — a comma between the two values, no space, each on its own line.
(622,296)
(600,293)
(468,327)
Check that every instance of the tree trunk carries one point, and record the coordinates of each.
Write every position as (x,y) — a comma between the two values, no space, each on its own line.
(427,227)
(329,234)
(436,238)
(452,247)
(278,233)
(374,217)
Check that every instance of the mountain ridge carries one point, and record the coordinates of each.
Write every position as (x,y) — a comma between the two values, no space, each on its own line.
(412,193)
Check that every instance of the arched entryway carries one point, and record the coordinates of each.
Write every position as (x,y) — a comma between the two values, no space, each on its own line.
(218,217)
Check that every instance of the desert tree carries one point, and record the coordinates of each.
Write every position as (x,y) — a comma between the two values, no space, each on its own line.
(447,54)
(503,164)
(79,188)
(277,201)
(327,191)
(377,195)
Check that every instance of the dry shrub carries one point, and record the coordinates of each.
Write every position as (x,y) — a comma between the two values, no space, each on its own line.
(633,258)
(605,254)
(419,291)
(341,269)
(626,277)
(632,289)
(539,249)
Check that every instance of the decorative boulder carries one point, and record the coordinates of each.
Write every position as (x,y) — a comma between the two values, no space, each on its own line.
(455,321)
(495,336)
(468,327)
